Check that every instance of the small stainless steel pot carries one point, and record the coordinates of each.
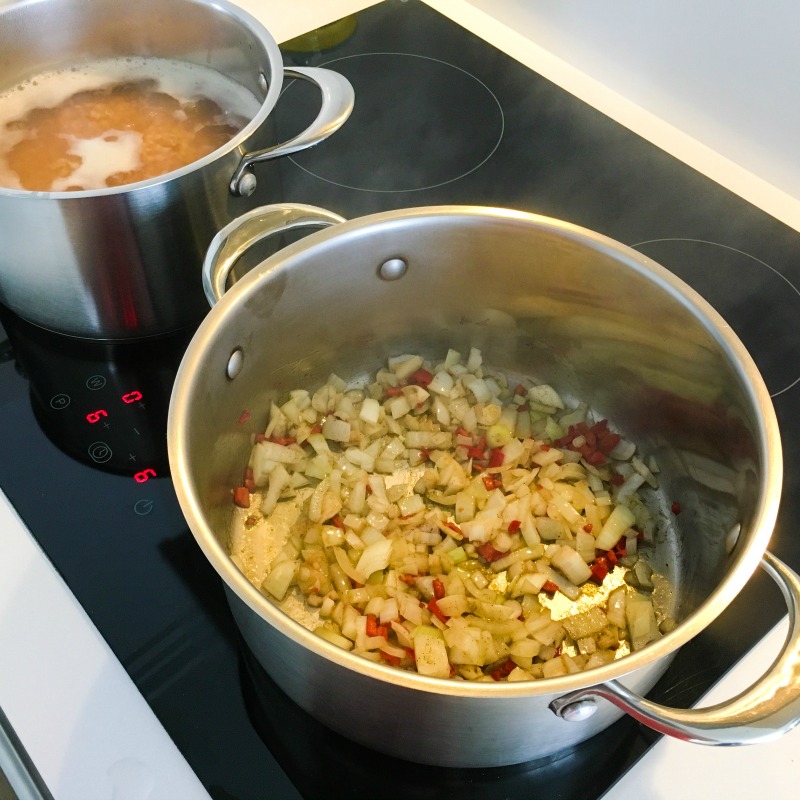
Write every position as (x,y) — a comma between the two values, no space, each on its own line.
(124,262)
(539,297)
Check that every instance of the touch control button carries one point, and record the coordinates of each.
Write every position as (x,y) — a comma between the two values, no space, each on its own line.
(95,382)
(60,401)
(143,507)
(100,452)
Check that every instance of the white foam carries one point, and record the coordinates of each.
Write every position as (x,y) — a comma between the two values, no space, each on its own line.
(180,79)
(114,151)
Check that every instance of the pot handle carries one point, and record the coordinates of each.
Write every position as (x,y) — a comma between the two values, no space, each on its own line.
(764,711)
(338,99)
(240,234)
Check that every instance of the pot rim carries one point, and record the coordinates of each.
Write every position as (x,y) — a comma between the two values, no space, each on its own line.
(269,102)
(743,565)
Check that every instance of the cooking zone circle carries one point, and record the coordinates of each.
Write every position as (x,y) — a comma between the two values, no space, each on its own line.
(389,146)
(759,302)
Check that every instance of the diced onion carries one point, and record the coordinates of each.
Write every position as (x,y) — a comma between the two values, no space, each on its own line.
(430,516)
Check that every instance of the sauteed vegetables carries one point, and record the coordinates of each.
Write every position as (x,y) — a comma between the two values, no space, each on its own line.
(444,519)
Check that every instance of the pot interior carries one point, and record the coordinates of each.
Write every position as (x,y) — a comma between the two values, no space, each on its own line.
(53,34)
(540,298)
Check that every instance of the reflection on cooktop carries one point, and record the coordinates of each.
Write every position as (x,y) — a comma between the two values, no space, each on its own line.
(345,769)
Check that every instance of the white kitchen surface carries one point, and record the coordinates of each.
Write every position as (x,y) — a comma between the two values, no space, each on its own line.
(711,87)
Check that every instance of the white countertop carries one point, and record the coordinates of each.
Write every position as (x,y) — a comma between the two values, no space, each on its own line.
(62,688)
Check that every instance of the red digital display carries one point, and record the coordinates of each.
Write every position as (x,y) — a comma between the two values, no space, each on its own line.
(132,397)
(144,475)
(96,416)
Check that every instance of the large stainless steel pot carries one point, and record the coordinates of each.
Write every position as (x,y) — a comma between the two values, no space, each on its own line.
(539,297)
(124,262)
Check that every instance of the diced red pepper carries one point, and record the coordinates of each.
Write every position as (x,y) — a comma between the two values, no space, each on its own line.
(588,527)
(599,570)
(424,455)
(620,550)
(437,612)
(422,377)
(316,428)
(617,479)
(462,432)
(514,525)
(549,587)
(244,417)
(496,457)
(478,450)
(406,578)
(490,482)
(389,658)
(640,536)
(607,442)
(410,652)
(284,440)
(676,508)
(596,458)
(503,670)
(394,391)
(337,520)
(453,527)
(438,589)
(488,552)
(519,389)
(241,497)
(611,557)
(372,625)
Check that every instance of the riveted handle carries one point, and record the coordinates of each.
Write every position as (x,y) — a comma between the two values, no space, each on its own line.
(338,100)
(230,243)
(764,711)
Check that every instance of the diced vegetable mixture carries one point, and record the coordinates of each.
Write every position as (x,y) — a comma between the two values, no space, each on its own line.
(444,520)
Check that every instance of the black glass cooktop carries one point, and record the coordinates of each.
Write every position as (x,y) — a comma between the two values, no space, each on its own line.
(441,117)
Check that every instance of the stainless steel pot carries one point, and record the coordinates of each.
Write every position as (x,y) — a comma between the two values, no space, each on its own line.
(539,297)
(124,262)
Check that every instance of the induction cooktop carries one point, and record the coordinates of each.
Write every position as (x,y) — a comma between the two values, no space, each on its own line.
(441,117)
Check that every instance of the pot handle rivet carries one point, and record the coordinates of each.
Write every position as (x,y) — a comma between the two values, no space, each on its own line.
(235,363)
(393,269)
(247,184)
(579,710)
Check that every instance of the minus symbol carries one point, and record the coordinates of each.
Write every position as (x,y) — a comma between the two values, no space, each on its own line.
(136,432)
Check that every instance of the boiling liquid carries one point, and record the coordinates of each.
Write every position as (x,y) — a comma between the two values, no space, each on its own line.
(112,123)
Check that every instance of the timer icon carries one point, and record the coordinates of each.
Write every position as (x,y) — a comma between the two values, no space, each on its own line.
(100,452)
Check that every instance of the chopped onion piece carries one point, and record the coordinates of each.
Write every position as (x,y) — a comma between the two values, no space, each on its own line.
(442,383)
(280,578)
(545,395)
(347,567)
(370,410)
(571,565)
(375,557)
(620,519)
